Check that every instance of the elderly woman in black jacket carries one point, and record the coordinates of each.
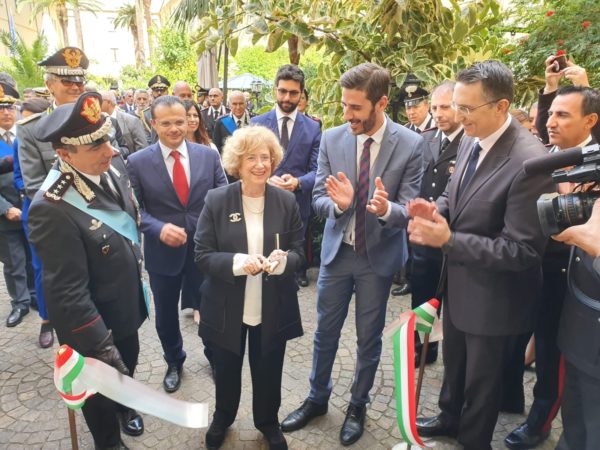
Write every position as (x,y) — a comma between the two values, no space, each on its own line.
(249,244)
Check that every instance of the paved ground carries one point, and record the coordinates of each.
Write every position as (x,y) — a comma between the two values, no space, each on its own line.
(32,415)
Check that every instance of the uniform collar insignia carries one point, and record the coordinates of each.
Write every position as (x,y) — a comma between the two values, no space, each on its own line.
(79,183)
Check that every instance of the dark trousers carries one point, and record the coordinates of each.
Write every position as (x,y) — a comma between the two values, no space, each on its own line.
(166,290)
(580,411)
(266,370)
(514,394)
(100,412)
(18,272)
(472,389)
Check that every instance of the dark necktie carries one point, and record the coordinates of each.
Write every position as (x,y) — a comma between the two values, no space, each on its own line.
(109,190)
(180,179)
(445,144)
(239,123)
(471,166)
(362,195)
(6,138)
(285,135)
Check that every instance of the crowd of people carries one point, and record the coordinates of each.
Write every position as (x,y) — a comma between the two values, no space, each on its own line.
(223,200)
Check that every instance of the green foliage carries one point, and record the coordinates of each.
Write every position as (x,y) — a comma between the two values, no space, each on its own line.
(22,66)
(541,28)
(257,61)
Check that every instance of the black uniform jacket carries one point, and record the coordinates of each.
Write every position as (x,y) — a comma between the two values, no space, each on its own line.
(221,233)
(91,273)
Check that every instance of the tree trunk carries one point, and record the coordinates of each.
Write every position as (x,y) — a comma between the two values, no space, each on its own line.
(63,21)
(77,15)
(139,53)
(293,50)
(149,25)
(139,31)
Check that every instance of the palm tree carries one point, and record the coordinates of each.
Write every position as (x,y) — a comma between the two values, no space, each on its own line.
(58,10)
(127,17)
(148,18)
(24,59)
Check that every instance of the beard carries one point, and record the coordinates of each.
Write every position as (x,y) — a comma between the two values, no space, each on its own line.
(287,107)
(365,125)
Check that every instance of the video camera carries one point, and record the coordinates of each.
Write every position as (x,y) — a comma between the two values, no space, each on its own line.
(558,212)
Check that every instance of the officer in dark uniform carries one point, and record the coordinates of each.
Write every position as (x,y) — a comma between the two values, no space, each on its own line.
(438,161)
(579,338)
(416,104)
(159,86)
(83,222)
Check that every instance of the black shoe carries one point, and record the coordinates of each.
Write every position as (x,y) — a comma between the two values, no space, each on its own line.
(131,422)
(432,355)
(525,437)
(16,316)
(299,418)
(436,426)
(404,289)
(275,438)
(172,379)
(46,338)
(353,426)
(302,279)
(215,435)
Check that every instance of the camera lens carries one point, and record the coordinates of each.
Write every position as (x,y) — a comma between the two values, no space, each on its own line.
(558,212)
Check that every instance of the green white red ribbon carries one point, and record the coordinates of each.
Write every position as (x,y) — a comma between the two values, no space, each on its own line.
(77,378)
(402,333)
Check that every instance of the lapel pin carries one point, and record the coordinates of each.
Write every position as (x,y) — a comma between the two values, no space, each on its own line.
(95,224)
(235,217)
(105,249)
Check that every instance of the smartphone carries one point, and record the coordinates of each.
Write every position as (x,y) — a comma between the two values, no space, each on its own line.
(560,63)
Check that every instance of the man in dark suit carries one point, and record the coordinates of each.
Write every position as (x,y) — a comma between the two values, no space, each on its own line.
(132,134)
(128,103)
(215,110)
(94,291)
(238,117)
(439,161)
(171,179)
(369,168)
(487,227)
(299,136)
(14,249)
(573,115)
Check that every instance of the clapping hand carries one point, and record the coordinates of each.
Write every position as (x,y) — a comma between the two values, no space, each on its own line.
(378,205)
(273,261)
(254,264)
(340,190)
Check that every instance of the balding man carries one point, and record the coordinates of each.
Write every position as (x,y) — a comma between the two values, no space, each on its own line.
(214,111)
(133,136)
(183,90)
(238,117)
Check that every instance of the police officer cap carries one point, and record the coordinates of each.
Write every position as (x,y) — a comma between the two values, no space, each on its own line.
(8,94)
(41,92)
(200,90)
(411,93)
(79,123)
(69,63)
(158,82)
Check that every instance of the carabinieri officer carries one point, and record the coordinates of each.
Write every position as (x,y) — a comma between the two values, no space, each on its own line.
(83,223)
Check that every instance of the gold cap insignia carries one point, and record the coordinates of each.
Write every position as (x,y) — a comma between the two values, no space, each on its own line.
(158,80)
(1,91)
(90,110)
(72,57)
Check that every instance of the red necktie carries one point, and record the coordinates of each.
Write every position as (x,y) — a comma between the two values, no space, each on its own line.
(362,195)
(179,179)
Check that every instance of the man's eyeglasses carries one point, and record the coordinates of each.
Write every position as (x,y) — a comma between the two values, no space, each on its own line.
(283,92)
(69,83)
(466,110)
(8,107)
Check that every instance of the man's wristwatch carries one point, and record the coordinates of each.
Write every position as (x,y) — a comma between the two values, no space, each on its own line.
(448,245)
(299,185)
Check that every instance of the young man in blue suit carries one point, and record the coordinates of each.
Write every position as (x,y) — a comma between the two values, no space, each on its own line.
(171,179)
(369,169)
(299,136)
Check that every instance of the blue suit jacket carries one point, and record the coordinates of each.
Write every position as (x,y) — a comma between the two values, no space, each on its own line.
(160,204)
(300,159)
(400,166)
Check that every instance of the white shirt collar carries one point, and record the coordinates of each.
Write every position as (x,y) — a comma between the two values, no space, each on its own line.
(166,151)
(114,113)
(452,135)
(279,113)
(13,130)
(423,125)
(586,141)
(377,136)
(489,141)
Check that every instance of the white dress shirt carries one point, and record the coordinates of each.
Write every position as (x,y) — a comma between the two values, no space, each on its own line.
(290,124)
(170,161)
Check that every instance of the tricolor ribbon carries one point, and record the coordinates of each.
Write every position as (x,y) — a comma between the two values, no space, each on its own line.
(402,332)
(77,378)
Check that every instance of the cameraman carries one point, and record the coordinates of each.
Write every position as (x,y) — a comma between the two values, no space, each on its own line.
(579,337)
(576,74)
(572,116)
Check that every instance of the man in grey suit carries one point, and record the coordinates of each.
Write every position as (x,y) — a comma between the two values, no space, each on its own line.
(487,226)
(133,136)
(368,170)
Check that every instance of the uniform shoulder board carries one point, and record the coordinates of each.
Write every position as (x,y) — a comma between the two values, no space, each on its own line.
(430,129)
(56,191)
(31,118)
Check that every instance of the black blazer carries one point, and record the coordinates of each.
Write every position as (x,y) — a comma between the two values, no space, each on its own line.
(221,233)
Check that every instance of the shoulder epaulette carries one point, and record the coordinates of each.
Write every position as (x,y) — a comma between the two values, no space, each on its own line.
(56,191)
(429,129)
(31,118)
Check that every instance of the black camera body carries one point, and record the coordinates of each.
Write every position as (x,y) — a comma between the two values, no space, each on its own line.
(558,212)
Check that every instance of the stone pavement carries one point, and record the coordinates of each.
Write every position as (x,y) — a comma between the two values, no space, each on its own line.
(33,417)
